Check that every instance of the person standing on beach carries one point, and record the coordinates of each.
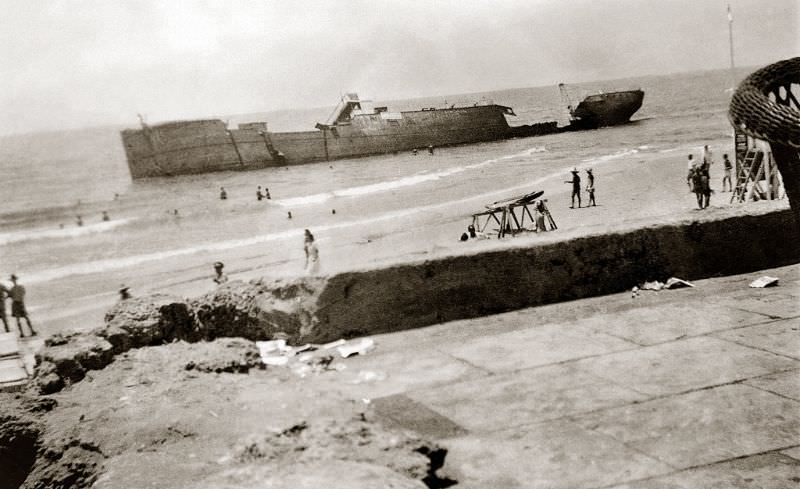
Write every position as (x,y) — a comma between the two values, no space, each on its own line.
(105,216)
(691,164)
(590,187)
(696,177)
(312,254)
(259,195)
(539,210)
(576,188)
(79,220)
(124,292)
(705,183)
(220,278)
(3,295)
(708,156)
(728,166)
(266,193)
(17,294)
(223,195)
(430,149)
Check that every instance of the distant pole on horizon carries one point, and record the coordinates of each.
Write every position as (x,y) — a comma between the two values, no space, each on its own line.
(730,33)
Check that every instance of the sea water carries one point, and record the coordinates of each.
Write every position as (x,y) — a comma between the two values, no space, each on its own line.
(51,178)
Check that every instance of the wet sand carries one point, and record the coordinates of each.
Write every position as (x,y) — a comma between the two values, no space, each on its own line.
(635,189)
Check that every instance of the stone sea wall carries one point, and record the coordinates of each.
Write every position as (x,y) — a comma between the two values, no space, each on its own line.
(412,295)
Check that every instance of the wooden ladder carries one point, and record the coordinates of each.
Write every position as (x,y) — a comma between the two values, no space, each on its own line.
(751,169)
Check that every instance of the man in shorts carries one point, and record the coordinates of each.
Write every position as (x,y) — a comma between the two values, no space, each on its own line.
(17,294)
(728,166)
(576,188)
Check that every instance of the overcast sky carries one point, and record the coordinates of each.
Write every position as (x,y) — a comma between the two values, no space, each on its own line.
(73,63)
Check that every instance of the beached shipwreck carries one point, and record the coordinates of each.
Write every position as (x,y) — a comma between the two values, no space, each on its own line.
(201,146)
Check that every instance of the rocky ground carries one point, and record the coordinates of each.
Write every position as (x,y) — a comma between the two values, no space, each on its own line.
(166,415)
(166,382)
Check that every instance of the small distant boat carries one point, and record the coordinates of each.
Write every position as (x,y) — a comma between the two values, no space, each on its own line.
(603,109)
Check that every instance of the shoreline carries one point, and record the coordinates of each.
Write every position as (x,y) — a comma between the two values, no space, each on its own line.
(632,188)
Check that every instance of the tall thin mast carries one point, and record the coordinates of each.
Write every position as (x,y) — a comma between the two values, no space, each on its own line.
(730,34)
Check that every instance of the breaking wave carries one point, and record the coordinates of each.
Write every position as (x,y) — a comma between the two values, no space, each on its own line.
(400,182)
(613,156)
(56,233)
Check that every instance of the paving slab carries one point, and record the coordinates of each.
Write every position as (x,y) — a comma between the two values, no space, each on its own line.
(551,455)
(785,384)
(781,337)
(768,471)
(512,399)
(683,365)
(535,346)
(703,427)
(400,411)
(380,374)
(667,322)
(776,302)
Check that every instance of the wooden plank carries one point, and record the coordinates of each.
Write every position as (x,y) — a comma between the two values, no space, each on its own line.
(511,211)
(9,344)
(12,370)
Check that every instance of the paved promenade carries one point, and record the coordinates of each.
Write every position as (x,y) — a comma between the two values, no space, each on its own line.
(673,389)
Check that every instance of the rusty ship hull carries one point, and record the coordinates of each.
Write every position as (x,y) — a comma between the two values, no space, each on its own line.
(202,146)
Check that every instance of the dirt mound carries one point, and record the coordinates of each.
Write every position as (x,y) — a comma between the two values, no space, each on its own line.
(149,320)
(231,355)
(30,457)
(306,454)
(260,309)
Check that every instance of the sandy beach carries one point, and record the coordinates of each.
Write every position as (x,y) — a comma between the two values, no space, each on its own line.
(634,187)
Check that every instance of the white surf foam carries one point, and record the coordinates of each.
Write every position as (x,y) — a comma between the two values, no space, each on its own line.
(57,233)
(400,182)
(99,266)
(609,157)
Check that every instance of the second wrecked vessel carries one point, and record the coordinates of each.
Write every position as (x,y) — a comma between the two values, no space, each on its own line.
(201,146)
(603,109)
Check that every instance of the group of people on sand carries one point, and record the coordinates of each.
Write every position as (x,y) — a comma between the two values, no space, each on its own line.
(17,295)
(698,178)
(576,187)
(472,234)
